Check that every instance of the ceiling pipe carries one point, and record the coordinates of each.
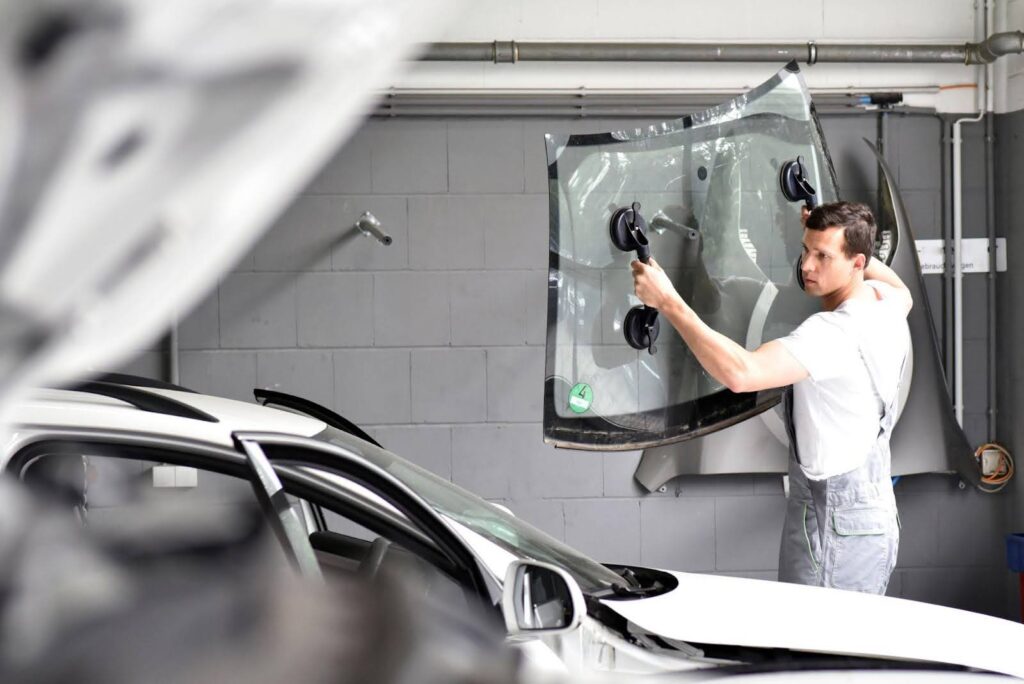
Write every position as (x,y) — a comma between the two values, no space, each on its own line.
(997,45)
(602,104)
(810,52)
(606,98)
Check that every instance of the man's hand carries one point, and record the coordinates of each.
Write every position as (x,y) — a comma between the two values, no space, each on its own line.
(876,270)
(771,365)
(652,285)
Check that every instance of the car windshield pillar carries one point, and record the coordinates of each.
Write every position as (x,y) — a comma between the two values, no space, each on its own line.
(284,519)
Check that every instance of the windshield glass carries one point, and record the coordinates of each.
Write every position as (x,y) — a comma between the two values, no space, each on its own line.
(707,187)
(507,531)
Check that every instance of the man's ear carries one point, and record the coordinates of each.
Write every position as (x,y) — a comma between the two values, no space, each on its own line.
(859,262)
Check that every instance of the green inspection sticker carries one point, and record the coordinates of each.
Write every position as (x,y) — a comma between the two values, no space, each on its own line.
(580,397)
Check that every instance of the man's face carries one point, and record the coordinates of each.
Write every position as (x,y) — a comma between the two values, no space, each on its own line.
(824,266)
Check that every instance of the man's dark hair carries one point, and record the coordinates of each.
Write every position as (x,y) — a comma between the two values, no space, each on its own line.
(854,218)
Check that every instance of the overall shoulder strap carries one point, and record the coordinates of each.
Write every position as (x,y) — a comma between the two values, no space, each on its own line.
(787,408)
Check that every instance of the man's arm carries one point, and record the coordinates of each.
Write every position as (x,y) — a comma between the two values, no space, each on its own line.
(876,270)
(770,365)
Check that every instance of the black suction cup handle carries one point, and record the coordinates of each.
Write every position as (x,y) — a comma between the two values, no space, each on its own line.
(639,233)
(628,231)
(794,183)
(641,328)
(643,249)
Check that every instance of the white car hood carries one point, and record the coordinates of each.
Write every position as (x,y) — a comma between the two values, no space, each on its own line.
(712,609)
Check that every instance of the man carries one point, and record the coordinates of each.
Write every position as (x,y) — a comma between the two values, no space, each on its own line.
(844,365)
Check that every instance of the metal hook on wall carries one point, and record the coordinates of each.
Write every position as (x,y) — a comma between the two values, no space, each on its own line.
(369,225)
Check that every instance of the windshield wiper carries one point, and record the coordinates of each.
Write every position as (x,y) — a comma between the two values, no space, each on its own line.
(633,588)
(617,590)
(630,576)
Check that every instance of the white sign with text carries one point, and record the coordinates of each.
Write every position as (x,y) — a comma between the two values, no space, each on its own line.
(973,258)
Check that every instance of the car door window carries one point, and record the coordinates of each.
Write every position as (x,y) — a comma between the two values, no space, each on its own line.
(106,491)
(707,187)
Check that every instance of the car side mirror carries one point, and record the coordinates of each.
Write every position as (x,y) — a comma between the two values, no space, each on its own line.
(540,599)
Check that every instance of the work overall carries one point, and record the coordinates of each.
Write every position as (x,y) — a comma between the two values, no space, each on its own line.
(842,531)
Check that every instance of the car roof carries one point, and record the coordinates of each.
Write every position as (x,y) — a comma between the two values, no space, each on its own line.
(188,415)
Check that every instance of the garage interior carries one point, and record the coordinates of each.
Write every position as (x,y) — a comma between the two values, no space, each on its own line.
(434,343)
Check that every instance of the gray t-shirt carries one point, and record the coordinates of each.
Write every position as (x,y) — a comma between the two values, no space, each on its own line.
(837,409)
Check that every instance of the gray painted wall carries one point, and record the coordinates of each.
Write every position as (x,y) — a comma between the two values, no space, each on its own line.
(1009,143)
(436,346)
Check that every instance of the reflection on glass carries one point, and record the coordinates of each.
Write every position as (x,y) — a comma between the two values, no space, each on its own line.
(709,190)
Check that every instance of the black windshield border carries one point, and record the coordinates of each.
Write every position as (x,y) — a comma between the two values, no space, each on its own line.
(672,125)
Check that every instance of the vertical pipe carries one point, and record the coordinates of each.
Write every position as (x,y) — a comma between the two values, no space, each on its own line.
(990,224)
(958,300)
(880,122)
(958,274)
(981,19)
(173,360)
(946,136)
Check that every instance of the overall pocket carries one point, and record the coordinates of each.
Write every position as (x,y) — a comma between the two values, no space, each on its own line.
(799,554)
(864,547)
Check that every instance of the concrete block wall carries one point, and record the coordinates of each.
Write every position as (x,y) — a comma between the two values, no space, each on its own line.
(1009,144)
(435,345)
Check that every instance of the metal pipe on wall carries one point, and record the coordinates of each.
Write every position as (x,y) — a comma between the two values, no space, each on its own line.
(946,140)
(810,52)
(608,112)
(173,354)
(990,224)
(607,103)
(958,275)
(881,122)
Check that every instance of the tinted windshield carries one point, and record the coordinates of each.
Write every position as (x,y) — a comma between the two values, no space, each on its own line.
(707,187)
(507,531)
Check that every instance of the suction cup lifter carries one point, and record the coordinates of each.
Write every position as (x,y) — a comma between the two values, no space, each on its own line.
(628,231)
(795,186)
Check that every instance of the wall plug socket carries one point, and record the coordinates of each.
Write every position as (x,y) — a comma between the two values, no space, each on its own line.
(989,462)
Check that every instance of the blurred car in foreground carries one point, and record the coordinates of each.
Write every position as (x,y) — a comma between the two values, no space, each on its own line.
(364,510)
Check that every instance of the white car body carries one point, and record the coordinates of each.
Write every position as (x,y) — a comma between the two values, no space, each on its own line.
(703,611)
